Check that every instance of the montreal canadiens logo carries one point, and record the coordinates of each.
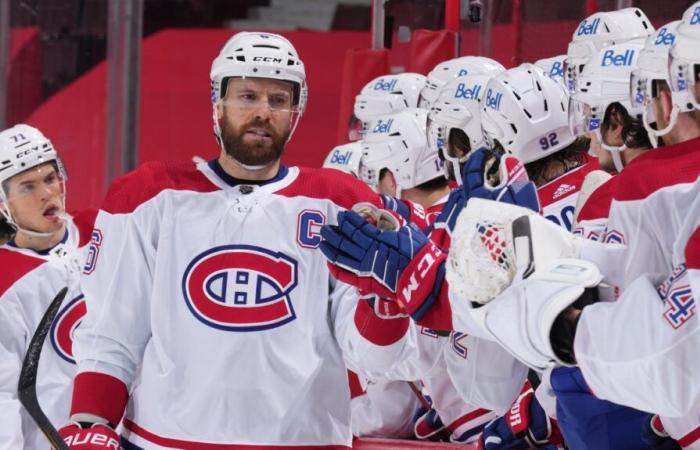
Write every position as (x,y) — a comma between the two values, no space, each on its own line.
(65,323)
(240,288)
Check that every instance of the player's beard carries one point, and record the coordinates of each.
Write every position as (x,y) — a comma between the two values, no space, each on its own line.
(258,153)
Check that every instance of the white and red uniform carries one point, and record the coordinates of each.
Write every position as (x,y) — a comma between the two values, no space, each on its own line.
(558,197)
(29,281)
(421,354)
(641,351)
(212,315)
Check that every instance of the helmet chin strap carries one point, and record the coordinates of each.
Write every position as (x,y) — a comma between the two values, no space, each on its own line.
(63,216)
(655,134)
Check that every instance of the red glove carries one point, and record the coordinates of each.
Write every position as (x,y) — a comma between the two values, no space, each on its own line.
(95,437)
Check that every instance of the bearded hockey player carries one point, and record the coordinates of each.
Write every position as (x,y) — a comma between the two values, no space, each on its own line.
(207,295)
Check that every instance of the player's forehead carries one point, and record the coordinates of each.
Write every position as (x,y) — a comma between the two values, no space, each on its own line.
(34,173)
(259,85)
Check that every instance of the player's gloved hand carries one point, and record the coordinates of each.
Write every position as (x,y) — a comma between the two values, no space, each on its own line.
(410,212)
(82,436)
(525,426)
(397,265)
(513,186)
(656,436)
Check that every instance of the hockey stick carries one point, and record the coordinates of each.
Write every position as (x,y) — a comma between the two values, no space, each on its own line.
(26,388)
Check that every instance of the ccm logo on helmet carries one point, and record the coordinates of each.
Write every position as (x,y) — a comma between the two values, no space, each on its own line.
(267,59)
(240,288)
(65,323)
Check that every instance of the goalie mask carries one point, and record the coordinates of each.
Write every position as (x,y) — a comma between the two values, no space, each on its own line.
(457,109)
(398,143)
(345,158)
(23,148)
(258,55)
(652,66)
(526,113)
(605,80)
(601,30)
(448,70)
(388,94)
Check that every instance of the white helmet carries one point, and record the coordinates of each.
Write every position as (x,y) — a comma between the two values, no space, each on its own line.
(21,148)
(346,158)
(652,65)
(684,62)
(457,107)
(601,30)
(388,94)
(258,55)
(605,80)
(398,143)
(527,113)
(453,68)
(553,67)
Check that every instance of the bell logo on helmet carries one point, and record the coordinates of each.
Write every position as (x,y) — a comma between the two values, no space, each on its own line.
(557,70)
(383,127)
(695,20)
(267,59)
(339,157)
(382,85)
(623,59)
(493,101)
(466,93)
(665,37)
(585,28)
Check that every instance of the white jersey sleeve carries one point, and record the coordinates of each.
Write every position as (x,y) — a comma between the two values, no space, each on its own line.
(641,350)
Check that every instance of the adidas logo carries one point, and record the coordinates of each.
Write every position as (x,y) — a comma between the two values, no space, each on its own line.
(563,189)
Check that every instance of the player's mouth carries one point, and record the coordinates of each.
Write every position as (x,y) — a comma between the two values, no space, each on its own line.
(52,212)
(259,133)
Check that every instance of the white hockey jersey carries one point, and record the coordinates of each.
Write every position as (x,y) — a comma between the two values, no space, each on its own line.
(208,298)
(641,351)
(29,281)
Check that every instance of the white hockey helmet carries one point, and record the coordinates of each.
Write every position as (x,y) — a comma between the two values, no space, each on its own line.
(453,68)
(457,107)
(684,62)
(346,158)
(553,67)
(23,147)
(258,55)
(652,65)
(601,30)
(388,94)
(527,113)
(398,143)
